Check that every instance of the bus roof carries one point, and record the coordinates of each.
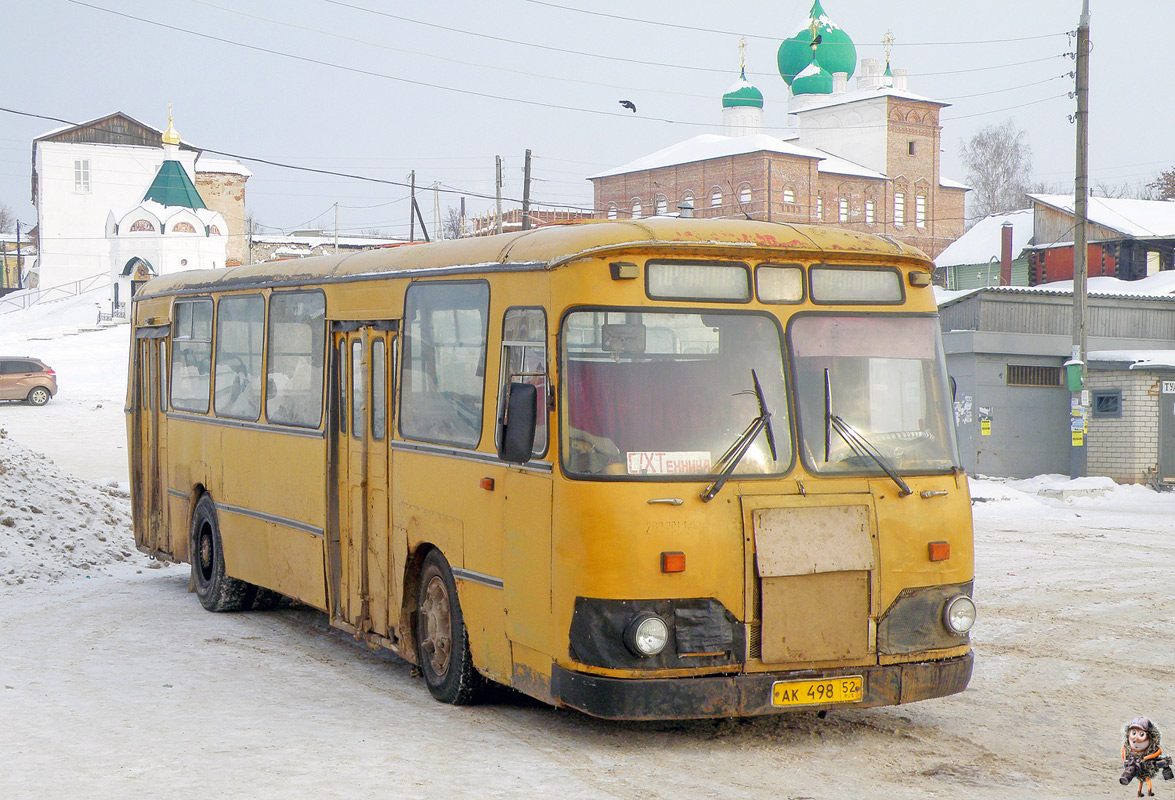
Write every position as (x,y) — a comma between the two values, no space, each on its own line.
(546,248)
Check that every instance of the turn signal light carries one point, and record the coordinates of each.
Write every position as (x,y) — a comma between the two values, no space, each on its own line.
(673,562)
(487,484)
(939,551)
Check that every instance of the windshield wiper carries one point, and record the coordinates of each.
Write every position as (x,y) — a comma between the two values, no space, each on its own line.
(742,444)
(856,442)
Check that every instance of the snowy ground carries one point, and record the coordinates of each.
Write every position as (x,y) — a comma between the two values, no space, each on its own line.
(115,683)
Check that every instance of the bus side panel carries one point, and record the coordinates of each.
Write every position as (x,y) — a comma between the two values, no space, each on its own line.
(441,502)
(273,551)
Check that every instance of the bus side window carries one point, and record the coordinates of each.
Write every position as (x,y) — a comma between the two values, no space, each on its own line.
(191,355)
(296,345)
(443,374)
(240,330)
(524,360)
(379,400)
(162,374)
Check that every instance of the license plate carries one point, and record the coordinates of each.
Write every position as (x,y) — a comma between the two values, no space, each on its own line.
(841,689)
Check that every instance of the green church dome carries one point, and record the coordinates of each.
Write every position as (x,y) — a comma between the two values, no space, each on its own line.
(813,80)
(742,93)
(834,52)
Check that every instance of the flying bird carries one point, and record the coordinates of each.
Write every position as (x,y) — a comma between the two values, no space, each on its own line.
(631,106)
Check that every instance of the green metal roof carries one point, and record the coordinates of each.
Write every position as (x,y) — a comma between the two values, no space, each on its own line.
(173,187)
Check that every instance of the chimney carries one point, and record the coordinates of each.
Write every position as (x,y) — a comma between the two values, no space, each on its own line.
(1006,254)
(840,82)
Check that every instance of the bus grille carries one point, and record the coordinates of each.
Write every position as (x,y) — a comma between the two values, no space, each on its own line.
(754,641)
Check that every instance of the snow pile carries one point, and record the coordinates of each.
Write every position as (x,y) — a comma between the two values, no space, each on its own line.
(54,525)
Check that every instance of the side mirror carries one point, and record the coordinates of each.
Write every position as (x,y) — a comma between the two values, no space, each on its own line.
(516,428)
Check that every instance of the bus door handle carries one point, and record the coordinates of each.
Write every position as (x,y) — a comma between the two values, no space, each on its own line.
(667,501)
(928,494)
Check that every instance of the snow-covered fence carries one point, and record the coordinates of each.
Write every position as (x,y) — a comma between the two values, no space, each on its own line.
(30,297)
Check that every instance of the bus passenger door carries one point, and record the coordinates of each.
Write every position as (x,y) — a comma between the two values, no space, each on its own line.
(361,560)
(147,480)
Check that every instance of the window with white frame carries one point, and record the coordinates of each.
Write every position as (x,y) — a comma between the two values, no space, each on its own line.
(81,175)
(820,207)
(920,211)
(789,195)
(899,209)
(715,198)
(662,205)
(744,195)
(868,212)
(844,209)
(636,209)
(613,212)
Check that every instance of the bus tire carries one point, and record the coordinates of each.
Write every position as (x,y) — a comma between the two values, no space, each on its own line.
(214,588)
(442,642)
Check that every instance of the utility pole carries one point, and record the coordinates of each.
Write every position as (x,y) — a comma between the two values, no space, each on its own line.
(462,218)
(336,229)
(526,193)
(438,227)
(498,185)
(19,266)
(1076,368)
(412,207)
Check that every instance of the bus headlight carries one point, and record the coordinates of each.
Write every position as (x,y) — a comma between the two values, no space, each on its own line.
(959,614)
(646,634)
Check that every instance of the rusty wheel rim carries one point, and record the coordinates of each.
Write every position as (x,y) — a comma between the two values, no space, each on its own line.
(437,641)
(205,555)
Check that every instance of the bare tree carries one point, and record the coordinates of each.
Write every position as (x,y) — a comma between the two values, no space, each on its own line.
(1163,185)
(452,224)
(7,219)
(998,161)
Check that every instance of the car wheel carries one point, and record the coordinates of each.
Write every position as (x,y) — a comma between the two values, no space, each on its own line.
(214,588)
(39,396)
(442,643)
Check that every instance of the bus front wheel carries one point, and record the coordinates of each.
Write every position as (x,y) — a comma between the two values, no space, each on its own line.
(442,642)
(215,589)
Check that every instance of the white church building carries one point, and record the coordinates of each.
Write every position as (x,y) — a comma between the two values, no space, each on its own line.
(117,203)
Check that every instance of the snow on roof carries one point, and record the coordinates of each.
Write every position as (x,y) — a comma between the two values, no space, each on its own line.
(860,94)
(947,183)
(984,240)
(842,166)
(1138,218)
(706,146)
(223,166)
(1160,286)
(1137,359)
(319,241)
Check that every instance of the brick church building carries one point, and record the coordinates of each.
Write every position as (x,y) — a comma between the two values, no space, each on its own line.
(867,158)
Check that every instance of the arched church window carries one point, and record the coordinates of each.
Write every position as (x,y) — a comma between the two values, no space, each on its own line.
(142,226)
(662,205)
(612,211)
(213,230)
(636,209)
(715,198)
(183,227)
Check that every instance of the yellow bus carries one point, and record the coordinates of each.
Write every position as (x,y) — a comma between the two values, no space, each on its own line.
(651,469)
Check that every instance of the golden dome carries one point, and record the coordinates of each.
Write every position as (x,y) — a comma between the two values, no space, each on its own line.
(170,136)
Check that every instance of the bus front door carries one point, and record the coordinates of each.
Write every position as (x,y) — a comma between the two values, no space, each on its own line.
(359,551)
(148,476)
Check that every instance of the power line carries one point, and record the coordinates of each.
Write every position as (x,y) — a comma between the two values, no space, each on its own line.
(373,73)
(662,24)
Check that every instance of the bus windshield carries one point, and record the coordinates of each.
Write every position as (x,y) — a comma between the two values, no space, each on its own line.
(875,378)
(665,394)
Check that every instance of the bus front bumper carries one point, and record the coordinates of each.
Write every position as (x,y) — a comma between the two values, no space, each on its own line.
(748,694)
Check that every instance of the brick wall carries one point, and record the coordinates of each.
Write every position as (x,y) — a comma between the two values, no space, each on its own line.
(225,192)
(913,126)
(1125,448)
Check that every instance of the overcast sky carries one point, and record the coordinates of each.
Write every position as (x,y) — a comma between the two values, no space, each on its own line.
(382,88)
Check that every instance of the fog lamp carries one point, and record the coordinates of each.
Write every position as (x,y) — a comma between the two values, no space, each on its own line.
(646,634)
(959,614)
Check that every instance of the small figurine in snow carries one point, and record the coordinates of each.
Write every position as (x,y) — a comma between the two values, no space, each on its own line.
(1141,756)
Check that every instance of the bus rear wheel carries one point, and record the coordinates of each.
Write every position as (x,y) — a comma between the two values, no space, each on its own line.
(442,642)
(214,588)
